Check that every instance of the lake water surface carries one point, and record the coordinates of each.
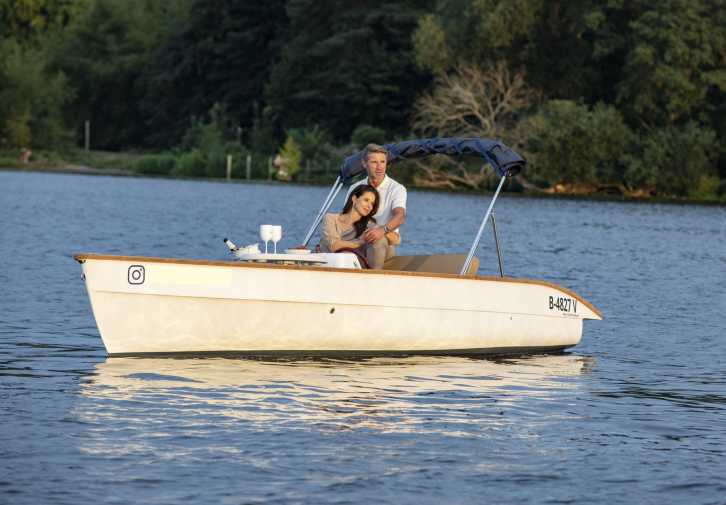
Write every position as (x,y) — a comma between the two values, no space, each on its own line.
(634,414)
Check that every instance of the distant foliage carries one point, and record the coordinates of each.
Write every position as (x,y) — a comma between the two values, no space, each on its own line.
(223,52)
(209,131)
(208,142)
(32,94)
(106,54)
(346,63)
(659,65)
(289,159)
(571,143)
(31,98)
(314,143)
(26,21)
(676,161)
(471,101)
(159,164)
(593,92)
(431,51)
(676,56)
(191,164)
(366,134)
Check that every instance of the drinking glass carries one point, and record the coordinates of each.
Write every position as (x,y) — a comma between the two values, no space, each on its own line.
(276,235)
(266,234)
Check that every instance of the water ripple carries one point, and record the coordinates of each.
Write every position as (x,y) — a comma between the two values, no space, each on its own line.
(634,415)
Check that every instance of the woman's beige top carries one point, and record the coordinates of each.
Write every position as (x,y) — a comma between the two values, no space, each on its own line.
(333,230)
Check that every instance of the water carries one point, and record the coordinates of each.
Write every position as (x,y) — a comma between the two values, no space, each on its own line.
(634,414)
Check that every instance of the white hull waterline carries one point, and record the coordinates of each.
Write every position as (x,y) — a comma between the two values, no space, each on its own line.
(155,305)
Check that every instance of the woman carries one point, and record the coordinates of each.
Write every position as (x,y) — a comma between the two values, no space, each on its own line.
(344,230)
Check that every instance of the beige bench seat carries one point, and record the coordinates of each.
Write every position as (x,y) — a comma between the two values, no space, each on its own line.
(433,263)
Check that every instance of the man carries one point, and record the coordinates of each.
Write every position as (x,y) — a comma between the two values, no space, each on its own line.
(392,208)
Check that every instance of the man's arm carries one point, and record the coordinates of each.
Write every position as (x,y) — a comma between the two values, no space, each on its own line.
(398,217)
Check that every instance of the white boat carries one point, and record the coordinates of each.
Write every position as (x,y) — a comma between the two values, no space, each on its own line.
(325,303)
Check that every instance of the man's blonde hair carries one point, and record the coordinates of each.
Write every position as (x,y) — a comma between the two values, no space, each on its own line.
(374,148)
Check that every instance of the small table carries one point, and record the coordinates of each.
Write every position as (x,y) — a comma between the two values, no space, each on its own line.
(334,260)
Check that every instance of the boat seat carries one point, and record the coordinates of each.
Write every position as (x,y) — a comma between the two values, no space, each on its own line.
(433,263)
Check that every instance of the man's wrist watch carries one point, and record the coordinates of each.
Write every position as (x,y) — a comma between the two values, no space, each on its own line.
(385,228)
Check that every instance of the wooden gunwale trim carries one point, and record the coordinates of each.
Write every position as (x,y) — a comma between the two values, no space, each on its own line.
(81,257)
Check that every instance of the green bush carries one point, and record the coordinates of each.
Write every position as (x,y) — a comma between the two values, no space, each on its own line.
(675,160)
(9,158)
(706,189)
(316,152)
(191,164)
(291,157)
(721,190)
(209,133)
(31,99)
(366,134)
(159,164)
(216,158)
(313,142)
(259,164)
(570,143)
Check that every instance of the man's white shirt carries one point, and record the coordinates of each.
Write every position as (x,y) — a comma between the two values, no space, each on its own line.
(392,195)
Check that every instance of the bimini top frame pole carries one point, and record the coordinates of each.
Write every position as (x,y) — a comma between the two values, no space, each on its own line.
(326,205)
(469,257)
(496,243)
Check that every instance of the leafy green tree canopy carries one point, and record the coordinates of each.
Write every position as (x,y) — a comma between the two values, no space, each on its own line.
(571,143)
(25,20)
(105,53)
(345,64)
(224,54)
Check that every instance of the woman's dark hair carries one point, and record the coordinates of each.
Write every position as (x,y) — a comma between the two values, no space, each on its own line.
(362,224)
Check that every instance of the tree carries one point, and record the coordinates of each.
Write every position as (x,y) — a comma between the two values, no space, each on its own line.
(105,53)
(674,160)
(573,144)
(290,157)
(470,101)
(31,94)
(660,63)
(676,53)
(223,55)
(31,98)
(27,20)
(552,41)
(346,63)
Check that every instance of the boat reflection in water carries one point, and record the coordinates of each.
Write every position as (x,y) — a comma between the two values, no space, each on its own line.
(451,395)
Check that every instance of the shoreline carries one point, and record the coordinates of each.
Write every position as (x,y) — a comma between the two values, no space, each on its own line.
(74,169)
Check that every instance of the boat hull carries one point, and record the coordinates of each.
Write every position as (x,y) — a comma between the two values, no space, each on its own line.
(152,305)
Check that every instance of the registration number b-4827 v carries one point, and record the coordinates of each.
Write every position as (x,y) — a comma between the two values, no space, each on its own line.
(563,304)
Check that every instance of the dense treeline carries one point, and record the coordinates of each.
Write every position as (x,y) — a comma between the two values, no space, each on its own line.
(615,95)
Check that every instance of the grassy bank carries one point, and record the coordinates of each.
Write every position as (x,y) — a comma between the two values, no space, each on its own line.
(191,166)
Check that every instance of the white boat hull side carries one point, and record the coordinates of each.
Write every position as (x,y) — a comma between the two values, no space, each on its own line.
(185,307)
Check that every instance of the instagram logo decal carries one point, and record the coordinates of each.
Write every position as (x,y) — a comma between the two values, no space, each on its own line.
(137,274)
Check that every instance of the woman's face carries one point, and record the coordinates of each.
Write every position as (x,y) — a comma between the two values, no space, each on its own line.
(363,204)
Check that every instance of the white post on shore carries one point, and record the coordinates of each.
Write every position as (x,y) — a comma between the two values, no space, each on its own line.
(229,167)
(249,167)
(87,135)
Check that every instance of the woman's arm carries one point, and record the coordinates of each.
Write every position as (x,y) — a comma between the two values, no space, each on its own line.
(346,244)
(330,236)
